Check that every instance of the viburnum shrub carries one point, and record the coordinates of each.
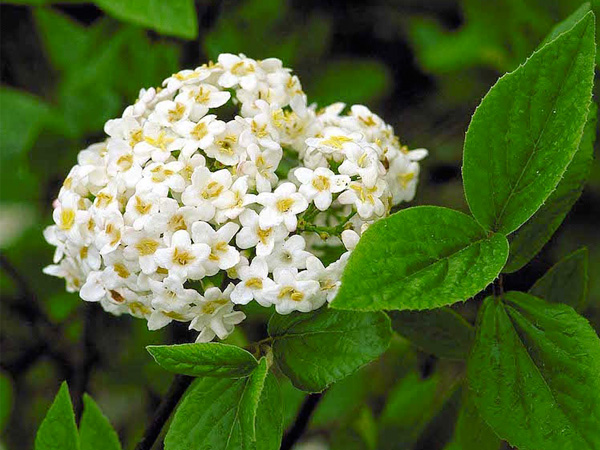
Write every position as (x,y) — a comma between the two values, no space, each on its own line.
(226,186)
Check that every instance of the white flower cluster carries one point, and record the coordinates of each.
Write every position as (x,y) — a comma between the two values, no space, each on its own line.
(182,213)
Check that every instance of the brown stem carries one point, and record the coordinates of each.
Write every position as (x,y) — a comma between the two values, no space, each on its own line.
(301,422)
(167,405)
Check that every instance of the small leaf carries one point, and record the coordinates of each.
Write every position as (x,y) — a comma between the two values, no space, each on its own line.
(95,431)
(420,258)
(565,282)
(175,17)
(320,348)
(533,373)
(528,240)
(470,431)
(21,117)
(58,430)
(441,332)
(526,130)
(226,413)
(204,359)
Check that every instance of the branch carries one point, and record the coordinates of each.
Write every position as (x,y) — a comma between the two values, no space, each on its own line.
(301,422)
(167,405)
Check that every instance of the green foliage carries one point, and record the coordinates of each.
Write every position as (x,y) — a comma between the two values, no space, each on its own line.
(21,118)
(204,359)
(420,258)
(316,349)
(225,413)
(528,240)
(350,81)
(470,431)
(95,431)
(534,373)
(6,399)
(567,24)
(566,282)
(175,17)
(411,405)
(526,130)
(441,332)
(58,430)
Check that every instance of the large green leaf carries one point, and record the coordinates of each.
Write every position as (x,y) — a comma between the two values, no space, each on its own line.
(226,413)
(95,431)
(441,332)
(173,17)
(210,359)
(533,373)
(528,127)
(568,23)
(470,431)
(58,430)
(320,348)
(565,282)
(528,240)
(420,258)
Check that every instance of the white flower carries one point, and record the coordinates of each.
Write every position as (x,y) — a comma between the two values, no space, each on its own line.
(329,277)
(318,185)
(289,253)
(238,70)
(291,293)
(140,209)
(367,200)
(233,202)
(173,217)
(402,179)
(159,178)
(253,235)
(350,239)
(254,280)
(201,98)
(207,188)
(169,113)
(171,301)
(199,134)
(182,258)
(141,246)
(364,162)
(215,315)
(261,166)
(158,143)
(222,255)
(111,231)
(281,206)
(226,147)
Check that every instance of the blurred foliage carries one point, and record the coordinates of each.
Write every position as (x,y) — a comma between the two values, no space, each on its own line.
(67,68)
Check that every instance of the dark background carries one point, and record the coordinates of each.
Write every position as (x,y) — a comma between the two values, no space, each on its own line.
(422,65)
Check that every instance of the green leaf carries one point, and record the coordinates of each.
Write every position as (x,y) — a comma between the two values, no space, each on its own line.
(226,413)
(420,258)
(59,32)
(322,347)
(565,282)
(567,24)
(533,373)
(21,117)
(6,399)
(526,130)
(58,430)
(95,430)
(350,81)
(174,18)
(411,406)
(528,240)
(204,359)
(359,434)
(441,332)
(470,431)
